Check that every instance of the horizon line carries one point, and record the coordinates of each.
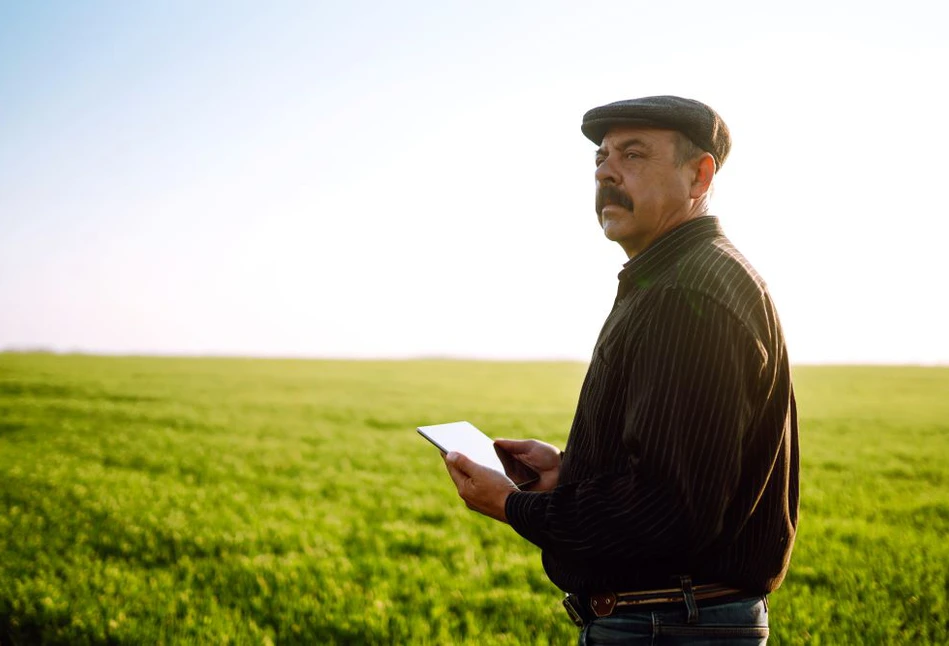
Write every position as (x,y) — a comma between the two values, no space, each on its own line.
(401,357)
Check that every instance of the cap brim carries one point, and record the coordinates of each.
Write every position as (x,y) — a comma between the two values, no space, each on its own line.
(596,129)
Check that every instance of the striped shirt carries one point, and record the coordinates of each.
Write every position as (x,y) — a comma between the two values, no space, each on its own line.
(683,454)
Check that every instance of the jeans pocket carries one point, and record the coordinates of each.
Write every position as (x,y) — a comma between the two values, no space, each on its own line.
(739,622)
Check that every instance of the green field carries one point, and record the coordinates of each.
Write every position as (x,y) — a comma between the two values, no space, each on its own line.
(151,500)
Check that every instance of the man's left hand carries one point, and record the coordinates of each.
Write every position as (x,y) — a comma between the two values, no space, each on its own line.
(484,490)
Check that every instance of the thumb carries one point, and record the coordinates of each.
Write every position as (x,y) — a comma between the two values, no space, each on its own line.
(461,462)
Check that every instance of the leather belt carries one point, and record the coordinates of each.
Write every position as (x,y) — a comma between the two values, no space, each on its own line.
(585,608)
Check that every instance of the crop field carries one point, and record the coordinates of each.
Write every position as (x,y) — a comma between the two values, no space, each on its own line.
(165,500)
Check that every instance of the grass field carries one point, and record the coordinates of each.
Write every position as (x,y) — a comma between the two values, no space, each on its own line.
(151,500)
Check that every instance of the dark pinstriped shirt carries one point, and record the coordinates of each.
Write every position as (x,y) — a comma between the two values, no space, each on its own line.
(683,454)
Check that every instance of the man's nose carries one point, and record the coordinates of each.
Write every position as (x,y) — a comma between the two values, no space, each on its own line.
(605,173)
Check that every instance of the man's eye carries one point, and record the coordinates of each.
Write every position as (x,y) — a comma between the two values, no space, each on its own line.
(599,160)
(632,155)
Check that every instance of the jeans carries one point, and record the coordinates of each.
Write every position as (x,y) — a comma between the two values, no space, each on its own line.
(742,622)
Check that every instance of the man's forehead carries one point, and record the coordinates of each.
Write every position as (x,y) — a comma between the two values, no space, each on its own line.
(625,135)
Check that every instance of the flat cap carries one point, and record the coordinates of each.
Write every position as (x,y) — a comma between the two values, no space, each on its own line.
(695,120)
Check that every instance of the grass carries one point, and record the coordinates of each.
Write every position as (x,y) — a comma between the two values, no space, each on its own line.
(158,500)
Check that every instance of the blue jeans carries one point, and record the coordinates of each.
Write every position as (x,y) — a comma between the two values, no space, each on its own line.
(742,622)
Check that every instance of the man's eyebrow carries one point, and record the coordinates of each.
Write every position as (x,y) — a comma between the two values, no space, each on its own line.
(633,141)
(626,143)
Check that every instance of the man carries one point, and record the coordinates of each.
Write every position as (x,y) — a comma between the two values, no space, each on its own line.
(672,512)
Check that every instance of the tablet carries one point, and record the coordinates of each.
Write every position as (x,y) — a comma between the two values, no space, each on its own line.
(466,439)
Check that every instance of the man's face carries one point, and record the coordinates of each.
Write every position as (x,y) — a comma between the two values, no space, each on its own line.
(641,190)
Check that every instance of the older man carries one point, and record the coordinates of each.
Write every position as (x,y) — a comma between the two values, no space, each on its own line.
(672,512)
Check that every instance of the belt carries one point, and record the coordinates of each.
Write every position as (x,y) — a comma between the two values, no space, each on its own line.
(583,609)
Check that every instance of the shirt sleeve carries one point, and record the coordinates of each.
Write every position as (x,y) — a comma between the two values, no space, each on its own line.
(689,403)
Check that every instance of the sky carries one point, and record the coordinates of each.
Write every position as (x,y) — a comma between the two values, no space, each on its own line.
(370,179)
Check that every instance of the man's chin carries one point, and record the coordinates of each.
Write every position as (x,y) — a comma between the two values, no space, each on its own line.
(613,230)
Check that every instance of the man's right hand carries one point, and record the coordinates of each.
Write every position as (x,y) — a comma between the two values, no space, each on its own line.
(541,457)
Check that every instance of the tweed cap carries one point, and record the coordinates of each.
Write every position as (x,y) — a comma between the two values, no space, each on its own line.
(695,120)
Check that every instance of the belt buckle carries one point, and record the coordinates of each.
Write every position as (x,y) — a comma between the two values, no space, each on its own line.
(573,611)
(602,604)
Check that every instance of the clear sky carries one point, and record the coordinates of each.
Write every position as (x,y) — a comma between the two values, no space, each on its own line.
(409,178)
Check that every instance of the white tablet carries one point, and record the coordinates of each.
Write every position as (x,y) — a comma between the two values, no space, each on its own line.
(468,440)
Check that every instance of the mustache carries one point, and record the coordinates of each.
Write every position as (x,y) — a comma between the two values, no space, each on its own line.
(607,194)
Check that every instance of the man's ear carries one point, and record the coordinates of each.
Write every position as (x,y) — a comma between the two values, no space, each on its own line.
(704,171)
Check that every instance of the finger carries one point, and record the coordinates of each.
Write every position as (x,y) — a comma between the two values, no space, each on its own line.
(462,463)
(521,455)
(459,478)
(450,458)
(513,446)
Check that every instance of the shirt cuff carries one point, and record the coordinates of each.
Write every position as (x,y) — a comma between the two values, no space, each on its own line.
(525,512)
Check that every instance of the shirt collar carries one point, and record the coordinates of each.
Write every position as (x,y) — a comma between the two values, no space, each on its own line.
(665,250)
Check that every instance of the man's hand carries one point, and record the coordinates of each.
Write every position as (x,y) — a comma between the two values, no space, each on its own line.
(484,490)
(541,457)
